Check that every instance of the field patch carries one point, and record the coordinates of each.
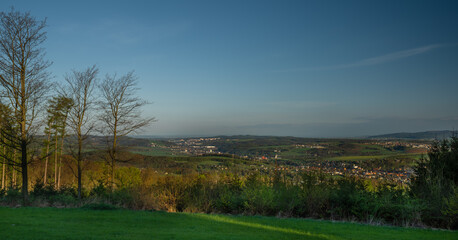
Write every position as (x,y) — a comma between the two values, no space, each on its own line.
(412,156)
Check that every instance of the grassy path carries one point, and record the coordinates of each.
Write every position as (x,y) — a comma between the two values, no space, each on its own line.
(52,223)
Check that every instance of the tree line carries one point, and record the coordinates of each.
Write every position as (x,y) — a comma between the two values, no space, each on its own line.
(31,104)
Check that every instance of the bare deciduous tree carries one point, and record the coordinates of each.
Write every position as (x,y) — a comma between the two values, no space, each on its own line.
(23,77)
(80,89)
(120,113)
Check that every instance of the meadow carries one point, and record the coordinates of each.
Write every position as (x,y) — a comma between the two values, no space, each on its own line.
(54,223)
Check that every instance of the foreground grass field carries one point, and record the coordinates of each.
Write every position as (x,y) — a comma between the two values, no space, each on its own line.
(52,223)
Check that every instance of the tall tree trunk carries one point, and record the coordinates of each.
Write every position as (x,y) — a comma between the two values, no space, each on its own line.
(23,126)
(4,169)
(113,171)
(60,161)
(13,178)
(55,162)
(113,162)
(62,148)
(13,171)
(60,172)
(3,175)
(6,177)
(47,158)
(79,158)
(25,179)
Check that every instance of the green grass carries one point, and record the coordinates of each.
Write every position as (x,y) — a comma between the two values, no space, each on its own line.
(378,150)
(209,162)
(52,223)
(154,151)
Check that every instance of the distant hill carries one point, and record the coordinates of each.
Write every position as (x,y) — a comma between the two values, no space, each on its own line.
(417,135)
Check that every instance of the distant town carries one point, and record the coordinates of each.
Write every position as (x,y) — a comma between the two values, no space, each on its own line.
(321,156)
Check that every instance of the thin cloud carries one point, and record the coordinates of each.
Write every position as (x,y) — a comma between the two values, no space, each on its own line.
(392,56)
(374,60)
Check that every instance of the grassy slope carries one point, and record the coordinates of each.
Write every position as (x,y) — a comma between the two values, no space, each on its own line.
(154,151)
(51,223)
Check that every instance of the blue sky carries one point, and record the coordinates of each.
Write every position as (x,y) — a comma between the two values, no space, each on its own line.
(298,68)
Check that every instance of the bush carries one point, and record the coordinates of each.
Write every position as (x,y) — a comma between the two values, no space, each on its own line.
(314,196)
(121,197)
(12,196)
(68,190)
(451,210)
(397,207)
(349,200)
(168,193)
(99,191)
(259,200)
(99,206)
(63,200)
(2,193)
(287,201)
(228,201)
(42,191)
(128,177)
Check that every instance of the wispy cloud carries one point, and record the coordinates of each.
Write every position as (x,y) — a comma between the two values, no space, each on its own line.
(374,60)
(391,56)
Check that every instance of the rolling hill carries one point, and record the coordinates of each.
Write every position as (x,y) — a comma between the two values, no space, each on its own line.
(439,135)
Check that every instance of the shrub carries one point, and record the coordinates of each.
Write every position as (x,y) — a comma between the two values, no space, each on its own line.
(395,206)
(314,195)
(120,197)
(349,200)
(167,193)
(63,200)
(99,191)
(12,196)
(43,191)
(451,210)
(228,201)
(259,200)
(2,193)
(128,177)
(99,206)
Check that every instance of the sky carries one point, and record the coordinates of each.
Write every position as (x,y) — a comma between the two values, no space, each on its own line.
(286,68)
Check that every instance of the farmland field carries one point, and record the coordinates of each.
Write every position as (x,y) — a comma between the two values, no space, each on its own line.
(153,151)
(412,156)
